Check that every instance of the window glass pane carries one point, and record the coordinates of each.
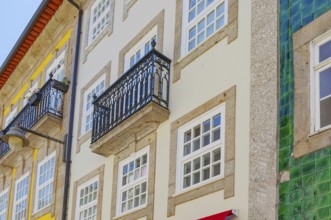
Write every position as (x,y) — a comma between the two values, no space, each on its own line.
(209,2)
(325,51)
(187,181)
(192,3)
(191,15)
(187,149)
(206,126)
(220,10)
(192,33)
(210,17)
(325,83)
(216,134)
(201,25)
(187,136)
(216,120)
(196,177)
(187,168)
(220,22)
(196,144)
(201,6)
(325,109)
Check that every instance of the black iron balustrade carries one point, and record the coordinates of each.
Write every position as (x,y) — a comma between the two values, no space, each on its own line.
(51,102)
(147,81)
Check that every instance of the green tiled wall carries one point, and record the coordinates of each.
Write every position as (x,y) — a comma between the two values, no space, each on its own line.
(308,193)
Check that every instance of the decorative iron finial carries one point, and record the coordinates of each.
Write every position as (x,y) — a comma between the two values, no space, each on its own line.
(153,43)
(51,75)
(95,96)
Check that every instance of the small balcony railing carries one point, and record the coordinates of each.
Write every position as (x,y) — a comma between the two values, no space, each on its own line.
(146,82)
(51,102)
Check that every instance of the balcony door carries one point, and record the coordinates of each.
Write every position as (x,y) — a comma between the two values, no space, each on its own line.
(57,69)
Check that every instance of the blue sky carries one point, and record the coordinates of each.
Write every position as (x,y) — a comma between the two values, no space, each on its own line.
(14,16)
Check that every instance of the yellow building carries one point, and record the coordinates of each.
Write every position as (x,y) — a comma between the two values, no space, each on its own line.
(35,94)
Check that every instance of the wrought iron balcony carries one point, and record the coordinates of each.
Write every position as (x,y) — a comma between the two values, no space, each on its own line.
(145,83)
(50,102)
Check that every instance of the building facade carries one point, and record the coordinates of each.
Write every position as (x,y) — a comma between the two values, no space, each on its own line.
(305,79)
(169,102)
(171,112)
(34,95)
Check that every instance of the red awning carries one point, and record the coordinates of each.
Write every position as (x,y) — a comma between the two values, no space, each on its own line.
(219,216)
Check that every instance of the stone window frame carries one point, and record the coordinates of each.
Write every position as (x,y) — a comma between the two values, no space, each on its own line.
(98,172)
(148,210)
(194,23)
(108,30)
(227,182)
(127,5)
(106,70)
(45,150)
(304,141)
(230,30)
(209,148)
(157,21)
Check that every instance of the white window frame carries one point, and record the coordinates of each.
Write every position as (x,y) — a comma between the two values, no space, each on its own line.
(187,25)
(25,197)
(87,113)
(45,184)
(10,116)
(139,47)
(4,204)
(212,146)
(57,68)
(315,68)
(134,183)
(90,204)
(104,18)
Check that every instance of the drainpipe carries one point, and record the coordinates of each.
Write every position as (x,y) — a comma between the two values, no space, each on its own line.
(71,114)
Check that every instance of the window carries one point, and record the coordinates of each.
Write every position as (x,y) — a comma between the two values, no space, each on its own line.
(99,18)
(11,115)
(201,19)
(21,197)
(320,83)
(34,87)
(57,68)
(97,88)
(140,49)
(45,182)
(133,182)
(4,204)
(201,149)
(87,200)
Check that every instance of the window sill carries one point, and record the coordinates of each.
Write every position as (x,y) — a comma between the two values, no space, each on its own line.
(198,186)
(321,130)
(130,212)
(43,211)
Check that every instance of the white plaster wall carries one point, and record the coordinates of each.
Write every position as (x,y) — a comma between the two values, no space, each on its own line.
(218,69)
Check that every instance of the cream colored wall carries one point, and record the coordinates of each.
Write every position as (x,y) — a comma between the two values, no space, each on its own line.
(217,70)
